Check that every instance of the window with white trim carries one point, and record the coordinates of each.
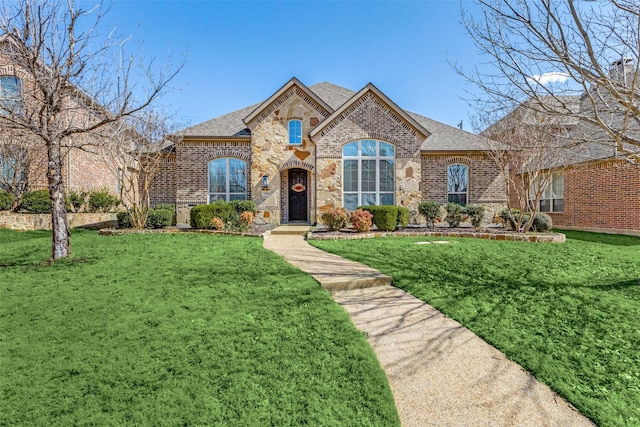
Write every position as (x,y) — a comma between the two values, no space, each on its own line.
(13,169)
(552,195)
(10,95)
(295,132)
(457,184)
(227,179)
(368,173)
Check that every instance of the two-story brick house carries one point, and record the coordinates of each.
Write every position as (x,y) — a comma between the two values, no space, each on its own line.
(306,149)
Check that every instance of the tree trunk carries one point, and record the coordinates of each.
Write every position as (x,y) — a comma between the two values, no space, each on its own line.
(60,241)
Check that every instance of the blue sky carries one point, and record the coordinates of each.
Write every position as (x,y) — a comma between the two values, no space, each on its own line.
(239,52)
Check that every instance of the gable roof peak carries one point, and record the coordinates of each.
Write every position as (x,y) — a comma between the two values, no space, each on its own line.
(292,82)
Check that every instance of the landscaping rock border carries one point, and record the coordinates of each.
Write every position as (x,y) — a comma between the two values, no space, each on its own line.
(518,237)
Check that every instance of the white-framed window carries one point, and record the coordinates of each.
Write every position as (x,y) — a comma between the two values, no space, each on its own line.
(368,173)
(552,193)
(10,95)
(458,184)
(295,132)
(227,179)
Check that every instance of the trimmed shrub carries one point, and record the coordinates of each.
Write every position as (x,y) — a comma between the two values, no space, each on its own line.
(6,200)
(384,217)
(476,213)
(455,214)
(430,210)
(241,206)
(158,218)
(403,216)
(36,202)
(201,215)
(77,200)
(102,201)
(504,215)
(542,222)
(335,218)
(124,220)
(361,220)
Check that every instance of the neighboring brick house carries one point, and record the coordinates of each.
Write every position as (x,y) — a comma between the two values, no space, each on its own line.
(592,187)
(307,149)
(23,157)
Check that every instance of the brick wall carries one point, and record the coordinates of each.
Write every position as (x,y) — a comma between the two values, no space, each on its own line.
(163,185)
(486,184)
(602,196)
(192,180)
(369,118)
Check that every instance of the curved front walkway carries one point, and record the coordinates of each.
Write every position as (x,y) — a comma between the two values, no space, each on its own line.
(441,374)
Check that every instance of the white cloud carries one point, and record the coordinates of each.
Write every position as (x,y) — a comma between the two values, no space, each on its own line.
(546,78)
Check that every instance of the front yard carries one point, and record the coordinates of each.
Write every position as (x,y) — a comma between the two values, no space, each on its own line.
(569,313)
(176,330)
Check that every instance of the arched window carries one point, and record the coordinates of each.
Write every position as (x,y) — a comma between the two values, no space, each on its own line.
(10,95)
(457,184)
(227,179)
(368,173)
(295,132)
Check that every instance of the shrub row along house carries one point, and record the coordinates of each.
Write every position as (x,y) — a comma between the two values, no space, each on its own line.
(304,150)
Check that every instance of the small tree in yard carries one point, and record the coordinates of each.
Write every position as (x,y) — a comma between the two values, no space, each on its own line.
(136,153)
(75,86)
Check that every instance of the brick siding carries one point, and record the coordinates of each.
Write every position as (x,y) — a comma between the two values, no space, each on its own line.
(163,185)
(601,196)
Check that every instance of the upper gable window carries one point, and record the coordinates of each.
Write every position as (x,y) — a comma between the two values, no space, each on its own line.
(295,132)
(10,95)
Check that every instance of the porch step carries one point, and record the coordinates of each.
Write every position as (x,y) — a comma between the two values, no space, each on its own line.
(291,230)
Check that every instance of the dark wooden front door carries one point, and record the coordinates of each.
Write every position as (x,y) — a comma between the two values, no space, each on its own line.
(298,195)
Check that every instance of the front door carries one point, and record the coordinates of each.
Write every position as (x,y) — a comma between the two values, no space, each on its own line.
(298,195)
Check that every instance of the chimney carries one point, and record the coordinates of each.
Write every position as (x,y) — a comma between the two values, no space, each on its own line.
(623,70)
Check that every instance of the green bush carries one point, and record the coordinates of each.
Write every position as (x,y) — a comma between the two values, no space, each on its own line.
(504,215)
(476,213)
(165,206)
(36,202)
(243,206)
(158,218)
(102,201)
(335,218)
(124,220)
(542,222)
(201,215)
(430,210)
(403,217)
(455,214)
(76,200)
(384,217)
(6,200)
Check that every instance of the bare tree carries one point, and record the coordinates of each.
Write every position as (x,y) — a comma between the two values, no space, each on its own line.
(527,150)
(74,85)
(136,154)
(593,47)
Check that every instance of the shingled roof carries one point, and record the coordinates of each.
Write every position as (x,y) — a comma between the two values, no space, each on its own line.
(442,137)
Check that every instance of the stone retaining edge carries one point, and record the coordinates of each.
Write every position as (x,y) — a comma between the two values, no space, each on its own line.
(124,231)
(517,237)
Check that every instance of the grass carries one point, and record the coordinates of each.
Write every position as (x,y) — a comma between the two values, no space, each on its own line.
(169,330)
(569,313)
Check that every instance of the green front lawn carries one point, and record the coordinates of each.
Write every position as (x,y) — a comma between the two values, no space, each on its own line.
(569,313)
(170,330)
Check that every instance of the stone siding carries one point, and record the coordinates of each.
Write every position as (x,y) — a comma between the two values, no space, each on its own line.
(18,221)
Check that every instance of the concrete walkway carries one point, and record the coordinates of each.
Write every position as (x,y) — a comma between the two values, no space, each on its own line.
(441,374)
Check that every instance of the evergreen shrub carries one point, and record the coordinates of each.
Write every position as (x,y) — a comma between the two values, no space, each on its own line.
(430,210)
(6,200)
(36,202)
